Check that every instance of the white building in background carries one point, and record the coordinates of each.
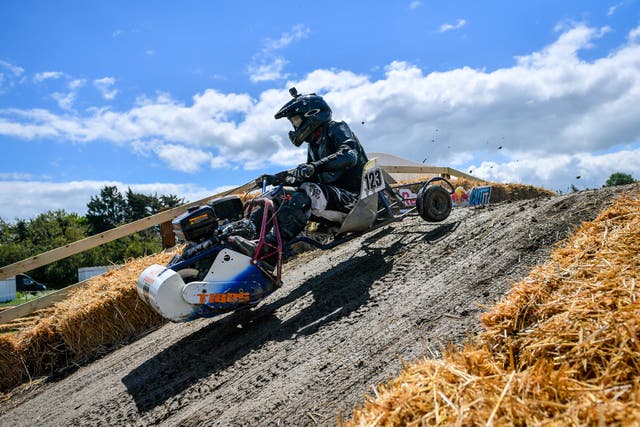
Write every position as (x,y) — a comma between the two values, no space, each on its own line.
(8,289)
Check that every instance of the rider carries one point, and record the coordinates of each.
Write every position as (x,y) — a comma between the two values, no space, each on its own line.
(329,182)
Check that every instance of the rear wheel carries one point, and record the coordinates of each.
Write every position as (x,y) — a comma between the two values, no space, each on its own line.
(434,203)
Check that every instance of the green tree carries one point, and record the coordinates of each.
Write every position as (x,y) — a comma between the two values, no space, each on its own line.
(53,229)
(106,211)
(45,232)
(170,201)
(138,206)
(619,178)
(141,205)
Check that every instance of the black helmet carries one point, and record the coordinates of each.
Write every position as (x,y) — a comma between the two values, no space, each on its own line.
(311,108)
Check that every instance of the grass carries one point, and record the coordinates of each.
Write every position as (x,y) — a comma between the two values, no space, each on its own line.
(22,297)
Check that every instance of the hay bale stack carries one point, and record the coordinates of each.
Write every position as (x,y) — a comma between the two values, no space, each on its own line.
(107,312)
(499,192)
(562,348)
(10,364)
(503,192)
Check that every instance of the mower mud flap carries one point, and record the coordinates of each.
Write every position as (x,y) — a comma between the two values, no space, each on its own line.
(161,288)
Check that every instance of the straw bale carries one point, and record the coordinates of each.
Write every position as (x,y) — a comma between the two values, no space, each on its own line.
(12,367)
(41,348)
(499,192)
(17,325)
(563,348)
(107,312)
(503,192)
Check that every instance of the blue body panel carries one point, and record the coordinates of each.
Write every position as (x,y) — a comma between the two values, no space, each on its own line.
(251,284)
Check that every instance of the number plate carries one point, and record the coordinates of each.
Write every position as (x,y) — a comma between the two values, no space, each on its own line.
(372,182)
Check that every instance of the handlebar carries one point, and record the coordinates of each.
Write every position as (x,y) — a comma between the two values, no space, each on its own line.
(284,177)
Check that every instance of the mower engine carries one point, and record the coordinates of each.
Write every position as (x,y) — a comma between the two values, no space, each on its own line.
(209,276)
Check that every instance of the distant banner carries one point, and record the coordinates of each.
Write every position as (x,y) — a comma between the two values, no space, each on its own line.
(477,196)
(480,196)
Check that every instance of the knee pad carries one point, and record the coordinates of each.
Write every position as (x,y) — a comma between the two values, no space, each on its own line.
(291,221)
(300,200)
(317,199)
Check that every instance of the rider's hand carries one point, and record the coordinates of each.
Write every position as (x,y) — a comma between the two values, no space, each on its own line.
(304,171)
(271,180)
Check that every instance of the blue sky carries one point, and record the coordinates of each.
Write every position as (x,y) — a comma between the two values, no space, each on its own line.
(179,97)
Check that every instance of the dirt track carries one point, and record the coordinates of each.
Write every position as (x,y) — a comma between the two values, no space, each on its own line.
(343,322)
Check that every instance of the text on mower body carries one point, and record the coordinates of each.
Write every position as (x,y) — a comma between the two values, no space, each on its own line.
(224,298)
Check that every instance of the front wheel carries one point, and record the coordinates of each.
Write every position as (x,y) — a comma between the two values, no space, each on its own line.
(434,203)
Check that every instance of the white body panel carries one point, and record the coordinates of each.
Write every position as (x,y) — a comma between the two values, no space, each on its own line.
(162,288)
(225,268)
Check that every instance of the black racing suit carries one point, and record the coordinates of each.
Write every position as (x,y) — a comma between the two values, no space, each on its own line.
(338,157)
(339,160)
(333,189)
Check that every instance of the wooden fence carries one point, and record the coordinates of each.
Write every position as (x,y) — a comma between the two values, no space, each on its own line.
(108,236)
(142,224)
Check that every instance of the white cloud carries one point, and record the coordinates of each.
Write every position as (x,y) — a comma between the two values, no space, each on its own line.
(181,158)
(550,104)
(73,196)
(77,84)
(268,71)
(297,32)
(47,75)
(150,52)
(14,69)
(613,9)
(65,100)
(267,65)
(219,162)
(634,35)
(9,79)
(448,27)
(415,4)
(560,171)
(15,176)
(104,85)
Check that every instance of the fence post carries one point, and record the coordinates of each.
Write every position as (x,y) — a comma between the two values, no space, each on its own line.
(168,238)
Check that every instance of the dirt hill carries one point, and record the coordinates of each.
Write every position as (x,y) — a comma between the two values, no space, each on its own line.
(344,321)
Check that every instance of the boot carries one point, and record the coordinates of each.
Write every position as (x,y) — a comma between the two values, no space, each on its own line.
(292,218)
(248,247)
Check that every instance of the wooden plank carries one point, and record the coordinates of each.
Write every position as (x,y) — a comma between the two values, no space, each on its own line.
(108,236)
(430,170)
(45,301)
(161,217)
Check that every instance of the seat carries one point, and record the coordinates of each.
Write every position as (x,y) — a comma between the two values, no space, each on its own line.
(365,211)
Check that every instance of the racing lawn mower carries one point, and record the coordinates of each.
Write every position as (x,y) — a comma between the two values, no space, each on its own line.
(214,274)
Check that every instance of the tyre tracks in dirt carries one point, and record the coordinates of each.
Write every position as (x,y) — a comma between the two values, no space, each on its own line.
(343,321)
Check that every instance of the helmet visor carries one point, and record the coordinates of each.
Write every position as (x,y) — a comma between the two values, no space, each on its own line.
(296,121)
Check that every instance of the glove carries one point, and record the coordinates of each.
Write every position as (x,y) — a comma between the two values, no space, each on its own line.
(304,171)
(271,180)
